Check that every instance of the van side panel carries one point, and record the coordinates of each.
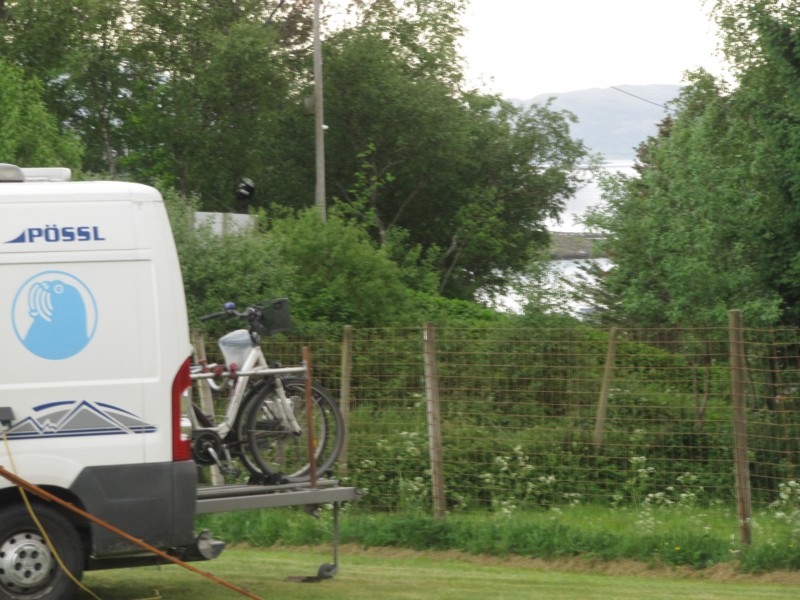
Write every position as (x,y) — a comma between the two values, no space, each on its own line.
(82,362)
(93,329)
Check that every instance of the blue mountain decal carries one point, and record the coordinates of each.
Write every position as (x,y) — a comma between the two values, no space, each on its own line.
(73,418)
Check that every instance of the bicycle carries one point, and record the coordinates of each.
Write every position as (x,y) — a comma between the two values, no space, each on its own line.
(265,424)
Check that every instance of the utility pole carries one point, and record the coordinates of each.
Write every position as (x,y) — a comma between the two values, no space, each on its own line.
(319,123)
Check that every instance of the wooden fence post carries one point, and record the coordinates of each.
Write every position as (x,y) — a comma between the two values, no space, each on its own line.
(344,391)
(206,398)
(738,378)
(605,389)
(434,420)
(311,436)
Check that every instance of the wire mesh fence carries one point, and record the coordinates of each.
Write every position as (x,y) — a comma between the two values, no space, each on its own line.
(549,417)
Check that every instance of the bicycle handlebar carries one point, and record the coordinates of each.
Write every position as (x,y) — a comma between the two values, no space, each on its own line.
(214,316)
(230,311)
(262,319)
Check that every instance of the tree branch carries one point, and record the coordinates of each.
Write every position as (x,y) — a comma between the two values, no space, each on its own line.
(271,15)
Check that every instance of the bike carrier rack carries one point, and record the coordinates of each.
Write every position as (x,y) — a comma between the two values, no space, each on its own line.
(226,498)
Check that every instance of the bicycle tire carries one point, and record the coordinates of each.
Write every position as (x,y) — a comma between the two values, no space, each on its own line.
(237,438)
(278,451)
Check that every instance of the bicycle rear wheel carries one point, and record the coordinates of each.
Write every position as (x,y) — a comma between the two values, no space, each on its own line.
(237,439)
(275,449)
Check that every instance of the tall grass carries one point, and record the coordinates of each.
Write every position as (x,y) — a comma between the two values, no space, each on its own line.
(676,536)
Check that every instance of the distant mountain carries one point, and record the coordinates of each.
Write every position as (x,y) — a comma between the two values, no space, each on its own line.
(614,122)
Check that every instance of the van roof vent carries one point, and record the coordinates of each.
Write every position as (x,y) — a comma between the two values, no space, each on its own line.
(12,173)
(47,174)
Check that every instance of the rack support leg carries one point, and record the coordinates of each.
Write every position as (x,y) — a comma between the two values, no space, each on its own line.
(327,570)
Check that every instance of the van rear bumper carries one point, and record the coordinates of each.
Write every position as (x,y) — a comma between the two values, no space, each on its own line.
(153,502)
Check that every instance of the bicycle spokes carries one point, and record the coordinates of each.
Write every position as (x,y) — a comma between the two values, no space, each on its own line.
(284,448)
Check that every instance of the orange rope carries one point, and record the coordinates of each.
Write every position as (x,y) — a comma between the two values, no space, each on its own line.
(48,496)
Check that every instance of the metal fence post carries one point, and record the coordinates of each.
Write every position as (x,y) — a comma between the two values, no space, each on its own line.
(434,420)
(738,378)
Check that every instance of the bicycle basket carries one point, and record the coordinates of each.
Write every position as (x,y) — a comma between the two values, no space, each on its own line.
(274,317)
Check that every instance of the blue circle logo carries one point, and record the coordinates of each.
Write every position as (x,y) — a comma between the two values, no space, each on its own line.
(54,315)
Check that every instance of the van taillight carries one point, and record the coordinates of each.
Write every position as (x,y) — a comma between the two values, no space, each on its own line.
(181,439)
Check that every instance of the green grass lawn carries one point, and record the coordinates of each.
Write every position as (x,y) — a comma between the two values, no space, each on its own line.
(402,574)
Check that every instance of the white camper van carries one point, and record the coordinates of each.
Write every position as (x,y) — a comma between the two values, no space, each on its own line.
(94,348)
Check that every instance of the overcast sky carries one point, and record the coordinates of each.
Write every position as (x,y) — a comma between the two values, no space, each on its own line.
(522,48)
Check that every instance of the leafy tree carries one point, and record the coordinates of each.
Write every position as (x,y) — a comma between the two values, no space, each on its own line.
(680,251)
(212,80)
(168,90)
(769,110)
(197,94)
(78,51)
(711,222)
(469,177)
(30,132)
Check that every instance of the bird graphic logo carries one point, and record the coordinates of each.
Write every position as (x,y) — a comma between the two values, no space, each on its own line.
(55,315)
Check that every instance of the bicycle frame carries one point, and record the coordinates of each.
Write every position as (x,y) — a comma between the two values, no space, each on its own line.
(255,365)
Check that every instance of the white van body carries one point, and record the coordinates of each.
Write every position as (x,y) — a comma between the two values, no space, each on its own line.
(94,344)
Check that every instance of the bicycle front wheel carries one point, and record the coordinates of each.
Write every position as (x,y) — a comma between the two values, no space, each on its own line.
(276,449)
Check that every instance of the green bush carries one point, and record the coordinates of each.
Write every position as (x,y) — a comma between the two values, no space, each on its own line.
(241,266)
(338,276)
